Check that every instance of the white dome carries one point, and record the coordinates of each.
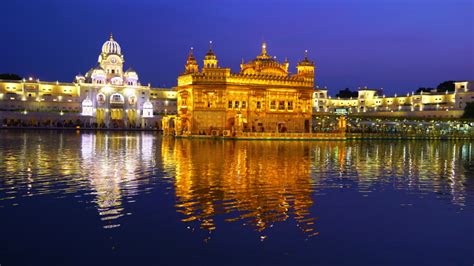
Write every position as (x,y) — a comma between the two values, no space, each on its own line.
(87,103)
(147,105)
(111,47)
(98,71)
(130,74)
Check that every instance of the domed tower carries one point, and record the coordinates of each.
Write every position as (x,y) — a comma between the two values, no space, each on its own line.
(191,64)
(111,58)
(131,77)
(306,67)
(210,60)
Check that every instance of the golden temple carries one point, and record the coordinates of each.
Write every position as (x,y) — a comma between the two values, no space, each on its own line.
(263,97)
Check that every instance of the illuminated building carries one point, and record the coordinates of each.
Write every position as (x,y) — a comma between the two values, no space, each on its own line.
(262,97)
(425,104)
(106,95)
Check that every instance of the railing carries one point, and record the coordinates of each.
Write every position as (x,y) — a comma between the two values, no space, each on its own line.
(287,135)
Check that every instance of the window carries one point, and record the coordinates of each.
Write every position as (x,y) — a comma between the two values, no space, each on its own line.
(244,104)
(281,105)
(237,103)
(290,105)
(259,105)
(229,105)
(113,71)
(117,98)
(272,105)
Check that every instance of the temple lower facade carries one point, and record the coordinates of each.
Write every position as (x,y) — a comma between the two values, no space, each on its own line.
(262,97)
(105,97)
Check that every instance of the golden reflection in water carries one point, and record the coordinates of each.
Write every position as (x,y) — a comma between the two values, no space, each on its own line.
(259,183)
(256,183)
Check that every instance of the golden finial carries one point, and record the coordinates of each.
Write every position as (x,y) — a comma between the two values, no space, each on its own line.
(306,54)
(111,37)
(264,48)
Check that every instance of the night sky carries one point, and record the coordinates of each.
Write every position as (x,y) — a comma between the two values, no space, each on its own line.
(397,45)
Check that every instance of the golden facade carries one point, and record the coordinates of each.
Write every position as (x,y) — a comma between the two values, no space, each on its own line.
(262,97)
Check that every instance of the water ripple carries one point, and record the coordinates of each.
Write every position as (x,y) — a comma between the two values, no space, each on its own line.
(256,184)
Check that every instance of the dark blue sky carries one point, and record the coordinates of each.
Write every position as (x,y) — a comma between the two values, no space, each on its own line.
(398,45)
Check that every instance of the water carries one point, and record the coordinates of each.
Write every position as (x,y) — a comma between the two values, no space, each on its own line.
(70,198)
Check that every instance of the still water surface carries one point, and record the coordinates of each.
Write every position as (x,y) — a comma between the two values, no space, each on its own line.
(117,198)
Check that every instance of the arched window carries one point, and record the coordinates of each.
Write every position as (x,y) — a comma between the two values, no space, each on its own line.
(147,109)
(117,99)
(87,107)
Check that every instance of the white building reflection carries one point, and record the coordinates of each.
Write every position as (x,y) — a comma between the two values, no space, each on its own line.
(116,165)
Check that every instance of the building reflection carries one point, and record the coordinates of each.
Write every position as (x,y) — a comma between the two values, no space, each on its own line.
(420,167)
(255,183)
(260,183)
(116,166)
(107,169)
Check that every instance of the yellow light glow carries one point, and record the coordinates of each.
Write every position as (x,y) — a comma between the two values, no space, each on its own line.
(106,89)
(129,92)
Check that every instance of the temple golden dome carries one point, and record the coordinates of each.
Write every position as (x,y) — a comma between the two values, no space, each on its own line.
(265,64)
(306,61)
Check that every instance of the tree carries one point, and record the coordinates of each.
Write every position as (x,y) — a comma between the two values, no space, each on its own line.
(445,86)
(347,93)
(469,110)
(423,89)
(10,76)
